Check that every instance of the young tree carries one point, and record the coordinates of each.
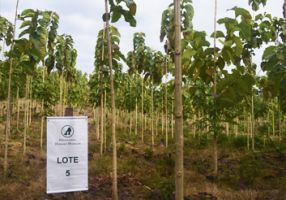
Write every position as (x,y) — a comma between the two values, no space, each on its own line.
(101,67)
(117,11)
(8,115)
(37,39)
(179,174)
(177,19)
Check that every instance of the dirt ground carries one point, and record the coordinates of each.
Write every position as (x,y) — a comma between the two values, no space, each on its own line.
(146,173)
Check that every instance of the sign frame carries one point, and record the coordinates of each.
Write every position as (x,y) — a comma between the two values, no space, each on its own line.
(67,136)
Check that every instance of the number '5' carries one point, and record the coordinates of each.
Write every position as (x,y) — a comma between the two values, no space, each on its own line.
(68,173)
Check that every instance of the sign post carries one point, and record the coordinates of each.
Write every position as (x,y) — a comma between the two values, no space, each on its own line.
(67,154)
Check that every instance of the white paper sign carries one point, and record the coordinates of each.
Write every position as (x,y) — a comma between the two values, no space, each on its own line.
(67,154)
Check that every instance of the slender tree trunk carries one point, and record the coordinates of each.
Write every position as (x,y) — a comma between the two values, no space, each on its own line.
(162,122)
(114,145)
(105,120)
(145,126)
(227,128)
(284,13)
(236,126)
(252,123)
(172,120)
(268,121)
(194,125)
(101,124)
(130,123)
(30,100)
(18,108)
(156,124)
(166,104)
(152,113)
(249,132)
(178,106)
(97,121)
(273,121)
(42,113)
(136,117)
(142,110)
(26,115)
(215,118)
(8,114)
(61,95)
(215,156)
(97,118)
(1,110)
(279,121)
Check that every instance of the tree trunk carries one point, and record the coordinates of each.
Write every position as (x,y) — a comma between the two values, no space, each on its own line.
(227,128)
(136,117)
(142,110)
(215,117)
(252,123)
(178,106)
(61,94)
(248,132)
(152,111)
(42,113)
(172,120)
(267,122)
(162,122)
(114,157)
(130,123)
(284,13)
(273,121)
(105,119)
(215,156)
(279,121)
(26,115)
(166,105)
(18,108)
(156,124)
(101,124)
(31,100)
(97,118)
(236,126)
(194,125)
(8,114)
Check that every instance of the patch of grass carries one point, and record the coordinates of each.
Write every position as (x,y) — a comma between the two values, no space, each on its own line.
(148,154)
(101,165)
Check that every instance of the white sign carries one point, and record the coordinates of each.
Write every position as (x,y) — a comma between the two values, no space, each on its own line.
(67,154)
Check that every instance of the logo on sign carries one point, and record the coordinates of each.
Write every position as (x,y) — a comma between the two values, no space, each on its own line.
(67,131)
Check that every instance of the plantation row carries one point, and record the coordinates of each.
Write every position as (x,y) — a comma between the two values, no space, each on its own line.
(38,78)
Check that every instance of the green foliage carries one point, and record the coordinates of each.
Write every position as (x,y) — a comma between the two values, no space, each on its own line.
(135,58)
(47,90)
(99,80)
(274,62)
(121,148)
(168,26)
(41,29)
(167,189)
(6,31)
(65,57)
(250,169)
(239,142)
(78,91)
(233,89)
(148,154)
(256,3)
(125,8)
